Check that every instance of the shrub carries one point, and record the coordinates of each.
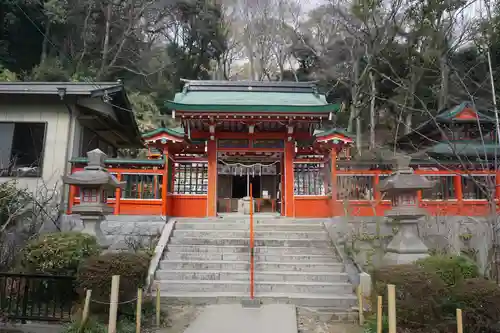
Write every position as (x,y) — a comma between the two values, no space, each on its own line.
(451,269)
(93,325)
(480,301)
(419,294)
(371,324)
(58,253)
(96,272)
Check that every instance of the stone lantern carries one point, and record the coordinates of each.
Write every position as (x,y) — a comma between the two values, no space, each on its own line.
(94,182)
(402,187)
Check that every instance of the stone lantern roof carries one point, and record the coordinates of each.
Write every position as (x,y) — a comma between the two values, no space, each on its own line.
(94,174)
(403,179)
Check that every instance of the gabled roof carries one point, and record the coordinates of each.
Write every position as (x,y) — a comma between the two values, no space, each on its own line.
(164,135)
(471,149)
(463,112)
(251,96)
(336,135)
(114,92)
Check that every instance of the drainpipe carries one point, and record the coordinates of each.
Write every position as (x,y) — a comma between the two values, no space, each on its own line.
(62,94)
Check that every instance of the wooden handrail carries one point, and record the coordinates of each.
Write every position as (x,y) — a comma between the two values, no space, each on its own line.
(251,247)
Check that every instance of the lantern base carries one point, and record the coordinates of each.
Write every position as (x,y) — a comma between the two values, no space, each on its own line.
(92,226)
(405,248)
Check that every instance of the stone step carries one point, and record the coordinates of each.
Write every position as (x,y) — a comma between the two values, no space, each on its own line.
(259,266)
(263,286)
(217,275)
(318,243)
(246,226)
(332,301)
(274,250)
(246,257)
(321,235)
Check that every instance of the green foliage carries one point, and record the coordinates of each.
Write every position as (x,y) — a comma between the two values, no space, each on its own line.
(371,324)
(59,253)
(51,70)
(12,202)
(94,325)
(419,295)
(451,269)
(96,273)
(480,301)
(7,75)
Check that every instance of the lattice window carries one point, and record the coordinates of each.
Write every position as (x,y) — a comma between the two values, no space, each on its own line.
(355,187)
(444,188)
(142,186)
(309,178)
(191,178)
(478,187)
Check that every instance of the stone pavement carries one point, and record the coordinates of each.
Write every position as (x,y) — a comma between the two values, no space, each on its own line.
(231,318)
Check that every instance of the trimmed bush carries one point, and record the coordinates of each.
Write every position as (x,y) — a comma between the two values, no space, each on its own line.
(58,253)
(419,294)
(451,269)
(96,272)
(480,300)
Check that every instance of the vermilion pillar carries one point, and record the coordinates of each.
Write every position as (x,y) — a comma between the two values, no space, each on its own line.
(164,185)
(289,154)
(212,178)
(333,157)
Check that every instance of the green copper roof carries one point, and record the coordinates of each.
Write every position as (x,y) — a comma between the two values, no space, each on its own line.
(474,149)
(323,132)
(111,161)
(249,101)
(451,113)
(177,131)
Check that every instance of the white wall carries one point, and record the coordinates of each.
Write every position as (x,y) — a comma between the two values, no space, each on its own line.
(57,118)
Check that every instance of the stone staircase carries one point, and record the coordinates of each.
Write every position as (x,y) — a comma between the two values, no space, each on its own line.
(207,261)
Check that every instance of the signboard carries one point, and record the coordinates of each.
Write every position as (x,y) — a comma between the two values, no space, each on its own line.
(254,170)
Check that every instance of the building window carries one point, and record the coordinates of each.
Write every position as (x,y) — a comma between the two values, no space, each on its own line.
(142,186)
(444,188)
(478,187)
(191,178)
(310,178)
(22,145)
(354,187)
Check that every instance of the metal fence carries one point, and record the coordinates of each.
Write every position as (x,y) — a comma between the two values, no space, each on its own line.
(36,297)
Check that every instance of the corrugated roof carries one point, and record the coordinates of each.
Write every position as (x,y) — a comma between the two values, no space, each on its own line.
(52,88)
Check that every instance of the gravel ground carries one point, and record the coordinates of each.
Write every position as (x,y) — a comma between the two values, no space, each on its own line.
(309,321)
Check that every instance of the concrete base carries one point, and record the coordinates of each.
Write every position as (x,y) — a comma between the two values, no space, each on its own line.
(251,303)
(230,318)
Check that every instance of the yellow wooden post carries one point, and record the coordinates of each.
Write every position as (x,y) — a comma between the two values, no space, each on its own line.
(138,311)
(460,326)
(391,302)
(85,313)
(113,303)
(379,314)
(158,305)
(361,307)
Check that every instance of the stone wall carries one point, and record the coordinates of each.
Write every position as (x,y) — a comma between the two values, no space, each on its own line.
(364,238)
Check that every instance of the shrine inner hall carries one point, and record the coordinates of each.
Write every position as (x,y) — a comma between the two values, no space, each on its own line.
(278,142)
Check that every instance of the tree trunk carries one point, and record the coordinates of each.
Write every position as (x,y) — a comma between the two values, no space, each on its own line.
(443,91)
(411,103)
(354,96)
(105,46)
(372,110)
(45,43)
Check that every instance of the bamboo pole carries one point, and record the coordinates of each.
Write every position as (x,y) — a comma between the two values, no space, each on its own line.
(379,314)
(360,305)
(113,303)
(391,301)
(460,326)
(138,311)
(158,305)
(85,313)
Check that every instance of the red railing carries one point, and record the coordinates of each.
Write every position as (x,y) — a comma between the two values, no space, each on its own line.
(252,282)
